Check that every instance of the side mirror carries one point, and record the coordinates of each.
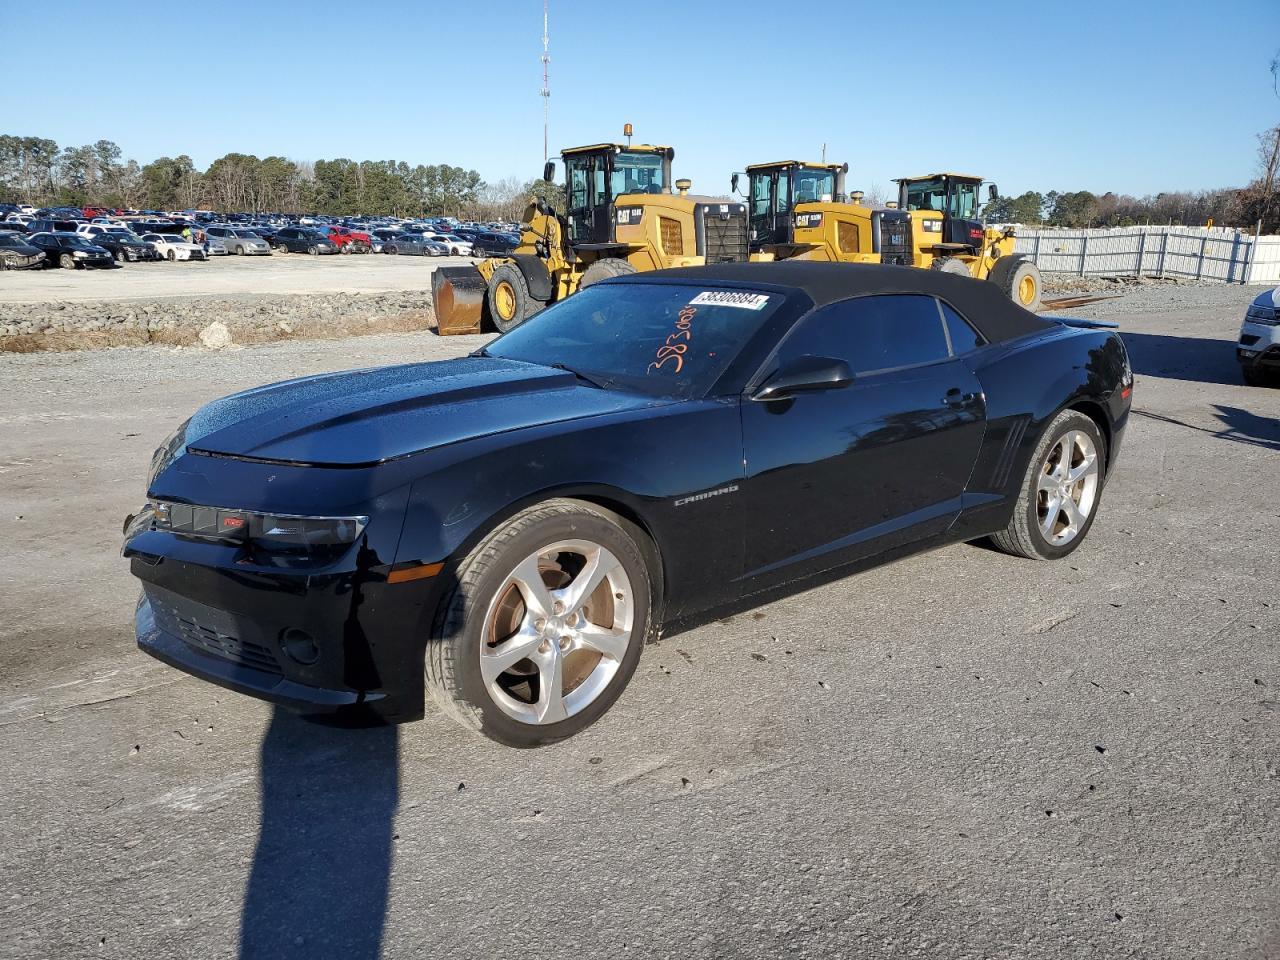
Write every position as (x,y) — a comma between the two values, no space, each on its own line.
(549,171)
(993,192)
(733,184)
(805,374)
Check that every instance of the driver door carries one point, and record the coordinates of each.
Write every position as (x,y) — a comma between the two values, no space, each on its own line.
(839,474)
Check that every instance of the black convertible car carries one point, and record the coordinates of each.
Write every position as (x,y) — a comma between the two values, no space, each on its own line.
(504,530)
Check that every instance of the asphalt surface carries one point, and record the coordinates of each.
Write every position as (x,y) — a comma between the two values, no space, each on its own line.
(958,755)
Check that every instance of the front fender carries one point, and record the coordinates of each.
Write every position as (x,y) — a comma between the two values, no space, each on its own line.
(643,468)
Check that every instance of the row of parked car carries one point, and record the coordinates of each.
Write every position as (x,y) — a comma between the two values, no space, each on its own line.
(65,236)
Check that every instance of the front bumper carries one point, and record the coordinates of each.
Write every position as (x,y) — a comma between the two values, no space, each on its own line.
(257,677)
(1259,344)
(22,263)
(322,633)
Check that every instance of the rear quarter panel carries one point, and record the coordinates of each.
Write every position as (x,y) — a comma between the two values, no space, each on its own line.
(1026,383)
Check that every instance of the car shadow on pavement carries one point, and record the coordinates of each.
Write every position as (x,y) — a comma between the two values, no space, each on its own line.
(322,866)
(1241,426)
(1249,427)
(1183,358)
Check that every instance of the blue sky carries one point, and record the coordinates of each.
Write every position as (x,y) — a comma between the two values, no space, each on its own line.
(1133,96)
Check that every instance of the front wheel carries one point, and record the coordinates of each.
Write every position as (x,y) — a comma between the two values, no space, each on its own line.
(1060,493)
(545,626)
(67,262)
(510,302)
(605,268)
(1256,376)
(313,250)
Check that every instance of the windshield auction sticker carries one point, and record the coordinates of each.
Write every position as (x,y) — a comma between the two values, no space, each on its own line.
(729,298)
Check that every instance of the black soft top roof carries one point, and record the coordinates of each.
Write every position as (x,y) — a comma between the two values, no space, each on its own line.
(982,303)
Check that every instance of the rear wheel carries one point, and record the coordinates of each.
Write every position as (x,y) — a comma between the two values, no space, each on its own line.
(545,626)
(950,265)
(1060,493)
(67,262)
(510,303)
(1019,280)
(603,269)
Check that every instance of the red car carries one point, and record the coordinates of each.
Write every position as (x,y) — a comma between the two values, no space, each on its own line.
(349,241)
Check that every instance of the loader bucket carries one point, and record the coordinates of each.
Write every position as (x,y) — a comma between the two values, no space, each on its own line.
(458,294)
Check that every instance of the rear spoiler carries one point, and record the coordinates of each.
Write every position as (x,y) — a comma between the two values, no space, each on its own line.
(1086,324)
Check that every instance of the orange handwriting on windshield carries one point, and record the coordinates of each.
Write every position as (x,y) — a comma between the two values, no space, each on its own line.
(674,349)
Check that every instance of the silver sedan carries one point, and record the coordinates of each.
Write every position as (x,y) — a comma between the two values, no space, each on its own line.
(412,245)
(239,241)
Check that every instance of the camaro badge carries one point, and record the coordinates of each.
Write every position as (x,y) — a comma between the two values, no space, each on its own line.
(732,488)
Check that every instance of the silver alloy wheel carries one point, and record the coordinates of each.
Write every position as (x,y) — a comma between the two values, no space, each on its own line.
(556,631)
(1067,487)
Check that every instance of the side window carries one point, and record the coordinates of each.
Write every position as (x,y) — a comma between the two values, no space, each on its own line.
(872,333)
(963,337)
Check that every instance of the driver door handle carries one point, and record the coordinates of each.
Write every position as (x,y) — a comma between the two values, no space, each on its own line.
(957,398)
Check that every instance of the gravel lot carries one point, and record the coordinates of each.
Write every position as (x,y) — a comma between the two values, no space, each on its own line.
(961,755)
(293,273)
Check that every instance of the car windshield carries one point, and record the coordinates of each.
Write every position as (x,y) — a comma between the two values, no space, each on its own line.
(315,234)
(9,240)
(80,243)
(671,340)
(247,235)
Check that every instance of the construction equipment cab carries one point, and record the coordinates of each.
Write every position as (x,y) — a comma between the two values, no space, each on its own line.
(799,211)
(949,234)
(620,216)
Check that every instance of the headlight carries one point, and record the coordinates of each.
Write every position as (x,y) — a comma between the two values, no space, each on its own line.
(267,529)
(80,253)
(1260,314)
(167,452)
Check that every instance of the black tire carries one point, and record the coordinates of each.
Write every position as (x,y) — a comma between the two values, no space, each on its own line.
(950,265)
(1256,376)
(453,670)
(1023,536)
(603,269)
(391,249)
(313,250)
(171,254)
(239,250)
(508,299)
(1019,280)
(66,261)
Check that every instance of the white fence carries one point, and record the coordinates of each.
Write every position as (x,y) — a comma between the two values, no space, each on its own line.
(1204,254)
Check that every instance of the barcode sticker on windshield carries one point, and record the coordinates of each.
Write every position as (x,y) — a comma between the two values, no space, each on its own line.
(727,298)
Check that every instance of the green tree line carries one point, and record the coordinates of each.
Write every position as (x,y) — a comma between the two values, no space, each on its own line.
(1244,207)
(38,171)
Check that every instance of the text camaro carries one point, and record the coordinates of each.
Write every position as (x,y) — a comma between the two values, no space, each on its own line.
(503,531)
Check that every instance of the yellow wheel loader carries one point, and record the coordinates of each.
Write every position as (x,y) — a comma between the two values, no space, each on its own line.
(800,210)
(621,217)
(949,235)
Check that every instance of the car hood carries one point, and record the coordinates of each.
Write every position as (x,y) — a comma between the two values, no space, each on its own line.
(363,417)
(1268,298)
